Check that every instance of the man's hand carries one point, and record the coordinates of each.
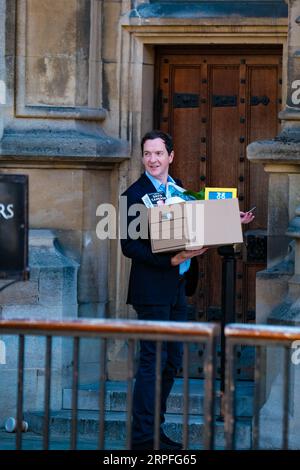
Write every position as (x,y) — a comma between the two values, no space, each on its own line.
(246,217)
(186,254)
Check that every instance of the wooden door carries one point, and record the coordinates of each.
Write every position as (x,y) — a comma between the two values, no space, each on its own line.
(214,102)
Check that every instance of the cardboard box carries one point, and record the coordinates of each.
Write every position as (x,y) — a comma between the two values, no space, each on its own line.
(192,225)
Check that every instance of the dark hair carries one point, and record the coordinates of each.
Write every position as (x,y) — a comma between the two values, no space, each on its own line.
(155,134)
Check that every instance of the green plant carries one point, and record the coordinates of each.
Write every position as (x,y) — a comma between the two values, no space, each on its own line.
(197,195)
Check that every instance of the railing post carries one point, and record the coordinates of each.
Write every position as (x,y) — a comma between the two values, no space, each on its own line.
(228,254)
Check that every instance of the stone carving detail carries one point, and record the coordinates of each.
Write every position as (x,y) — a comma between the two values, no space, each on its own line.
(59,58)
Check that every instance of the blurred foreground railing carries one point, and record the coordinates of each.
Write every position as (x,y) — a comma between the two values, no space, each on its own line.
(261,337)
(131,331)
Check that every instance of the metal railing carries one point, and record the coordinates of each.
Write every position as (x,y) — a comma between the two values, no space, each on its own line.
(261,337)
(128,330)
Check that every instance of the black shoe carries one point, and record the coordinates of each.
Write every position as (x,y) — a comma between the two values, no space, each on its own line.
(144,445)
(166,440)
(166,444)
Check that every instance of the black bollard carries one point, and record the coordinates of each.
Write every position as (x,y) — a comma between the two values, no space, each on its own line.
(229,254)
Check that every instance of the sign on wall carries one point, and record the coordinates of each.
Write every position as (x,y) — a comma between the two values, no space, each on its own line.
(14,227)
(295,93)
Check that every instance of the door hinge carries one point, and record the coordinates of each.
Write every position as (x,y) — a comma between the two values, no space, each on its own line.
(222,101)
(256,100)
(185,100)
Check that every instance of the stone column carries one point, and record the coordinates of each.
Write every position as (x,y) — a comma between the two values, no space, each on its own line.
(294,283)
(278,287)
(281,159)
(291,113)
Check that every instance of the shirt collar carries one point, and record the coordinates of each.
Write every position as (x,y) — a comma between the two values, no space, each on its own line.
(156,183)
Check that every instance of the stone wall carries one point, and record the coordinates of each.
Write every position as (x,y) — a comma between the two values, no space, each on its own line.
(54,127)
(50,294)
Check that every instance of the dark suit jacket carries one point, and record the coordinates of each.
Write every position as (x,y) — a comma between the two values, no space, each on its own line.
(153,280)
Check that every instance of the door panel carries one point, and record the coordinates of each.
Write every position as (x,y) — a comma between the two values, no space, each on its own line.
(214,102)
(262,109)
(223,144)
(185,122)
(263,124)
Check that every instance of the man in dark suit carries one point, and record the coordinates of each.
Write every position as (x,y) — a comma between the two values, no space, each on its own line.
(157,292)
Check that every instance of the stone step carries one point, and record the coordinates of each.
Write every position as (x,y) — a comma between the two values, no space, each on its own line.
(116,395)
(115,427)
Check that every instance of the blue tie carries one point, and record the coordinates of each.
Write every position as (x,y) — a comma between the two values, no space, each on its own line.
(184,266)
(162,188)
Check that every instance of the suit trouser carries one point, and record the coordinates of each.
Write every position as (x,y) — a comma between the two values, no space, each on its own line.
(171,359)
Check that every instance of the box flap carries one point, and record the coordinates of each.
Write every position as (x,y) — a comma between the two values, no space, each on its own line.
(222,222)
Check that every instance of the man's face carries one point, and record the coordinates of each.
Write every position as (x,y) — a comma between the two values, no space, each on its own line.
(156,159)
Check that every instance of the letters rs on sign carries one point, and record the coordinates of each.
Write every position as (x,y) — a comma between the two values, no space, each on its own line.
(6,211)
(296,94)
(14,227)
